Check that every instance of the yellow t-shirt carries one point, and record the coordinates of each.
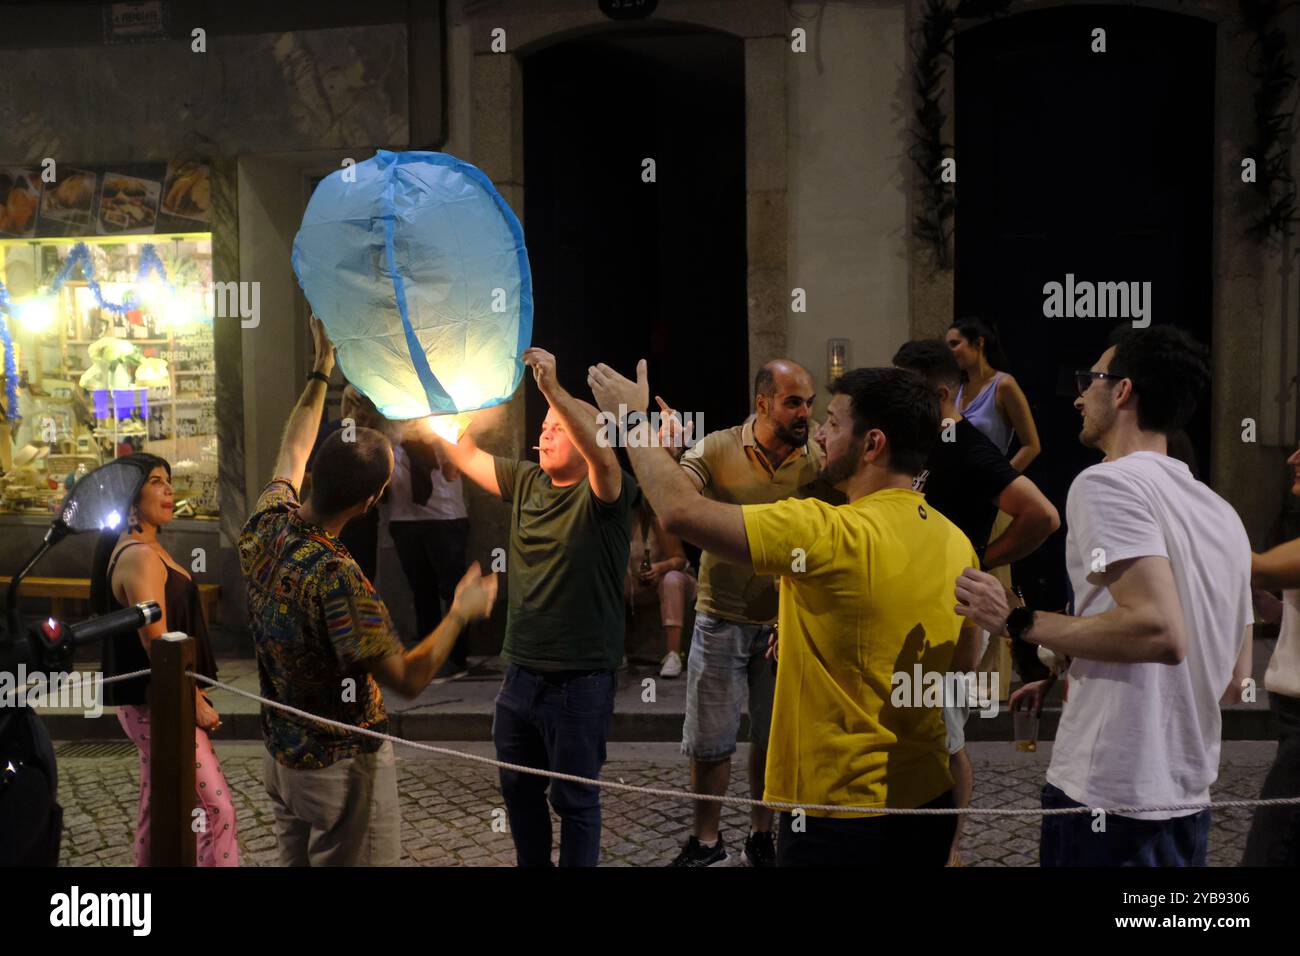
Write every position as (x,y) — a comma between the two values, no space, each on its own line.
(867,591)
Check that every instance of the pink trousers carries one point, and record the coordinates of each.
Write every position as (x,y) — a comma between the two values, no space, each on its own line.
(215,829)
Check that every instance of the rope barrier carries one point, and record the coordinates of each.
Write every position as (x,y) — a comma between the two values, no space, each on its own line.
(92,680)
(734,801)
(104,681)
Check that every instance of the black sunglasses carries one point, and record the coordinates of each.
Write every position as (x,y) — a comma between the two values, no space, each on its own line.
(1082,380)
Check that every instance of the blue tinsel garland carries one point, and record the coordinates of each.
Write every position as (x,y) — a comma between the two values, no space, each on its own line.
(11,364)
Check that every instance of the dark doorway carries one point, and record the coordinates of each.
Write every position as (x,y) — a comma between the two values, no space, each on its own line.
(1095,164)
(624,269)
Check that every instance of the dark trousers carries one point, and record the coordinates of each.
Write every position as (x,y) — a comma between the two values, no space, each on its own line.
(553,722)
(1069,840)
(432,554)
(1274,838)
(868,841)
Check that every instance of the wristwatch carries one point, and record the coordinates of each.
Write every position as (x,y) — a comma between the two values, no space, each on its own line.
(1019,620)
(319,376)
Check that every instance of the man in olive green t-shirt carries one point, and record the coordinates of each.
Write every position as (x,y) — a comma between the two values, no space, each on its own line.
(570,533)
(765,460)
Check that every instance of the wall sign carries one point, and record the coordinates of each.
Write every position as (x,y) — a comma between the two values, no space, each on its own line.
(132,22)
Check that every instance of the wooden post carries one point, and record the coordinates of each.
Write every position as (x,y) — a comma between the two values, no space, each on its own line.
(171,752)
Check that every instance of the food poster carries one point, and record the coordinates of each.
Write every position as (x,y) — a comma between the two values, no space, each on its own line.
(187,196)
(20,196)
(70,199)
(113,200)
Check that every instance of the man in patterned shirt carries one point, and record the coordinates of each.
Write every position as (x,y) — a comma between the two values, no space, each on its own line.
(323,637)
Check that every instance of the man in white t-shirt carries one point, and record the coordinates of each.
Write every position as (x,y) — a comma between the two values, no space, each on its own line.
(1161,632)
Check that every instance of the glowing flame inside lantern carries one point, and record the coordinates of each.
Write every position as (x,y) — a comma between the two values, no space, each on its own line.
(467,392)
(448,427)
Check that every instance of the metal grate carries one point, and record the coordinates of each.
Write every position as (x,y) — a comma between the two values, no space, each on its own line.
(112,748)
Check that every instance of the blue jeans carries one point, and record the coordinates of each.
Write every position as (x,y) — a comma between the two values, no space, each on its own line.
(559,722)
(1069,840)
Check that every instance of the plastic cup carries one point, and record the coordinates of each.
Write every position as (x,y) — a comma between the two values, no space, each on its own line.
(1026,729)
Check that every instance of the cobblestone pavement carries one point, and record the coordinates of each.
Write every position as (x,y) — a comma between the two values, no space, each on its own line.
(448,804)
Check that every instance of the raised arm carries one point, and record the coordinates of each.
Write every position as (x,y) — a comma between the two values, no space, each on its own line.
(580,425)
(464,457)
(304,421)
(672,435)
(711,525)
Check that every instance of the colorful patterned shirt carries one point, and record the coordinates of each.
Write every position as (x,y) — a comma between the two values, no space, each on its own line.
(316,623)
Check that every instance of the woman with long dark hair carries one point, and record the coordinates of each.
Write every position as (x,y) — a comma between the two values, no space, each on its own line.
(131,566)
(990,398)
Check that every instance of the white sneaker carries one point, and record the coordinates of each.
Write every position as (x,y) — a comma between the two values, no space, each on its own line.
(672,666)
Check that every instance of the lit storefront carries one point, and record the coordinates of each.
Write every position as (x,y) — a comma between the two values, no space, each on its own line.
(109,348)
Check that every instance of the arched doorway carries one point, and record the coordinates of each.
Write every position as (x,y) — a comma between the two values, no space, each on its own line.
(623,268)
(1095,165)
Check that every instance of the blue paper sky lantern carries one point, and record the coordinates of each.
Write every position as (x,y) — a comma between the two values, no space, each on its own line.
(418,269)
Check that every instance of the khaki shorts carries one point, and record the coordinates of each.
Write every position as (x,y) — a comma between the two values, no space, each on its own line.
(345,814)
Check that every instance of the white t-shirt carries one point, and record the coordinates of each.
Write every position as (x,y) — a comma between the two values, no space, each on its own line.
(1149,734)
(446,502)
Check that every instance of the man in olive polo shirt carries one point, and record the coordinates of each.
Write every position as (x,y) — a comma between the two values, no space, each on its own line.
(570,533)
(767,459)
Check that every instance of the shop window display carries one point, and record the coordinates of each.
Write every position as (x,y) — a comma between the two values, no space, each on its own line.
(111,343)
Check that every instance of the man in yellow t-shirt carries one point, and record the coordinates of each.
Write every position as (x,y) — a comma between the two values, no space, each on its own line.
(867,621)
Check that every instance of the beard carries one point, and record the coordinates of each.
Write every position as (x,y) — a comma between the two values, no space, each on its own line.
(1091,430)
(836,470)
(795,436)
